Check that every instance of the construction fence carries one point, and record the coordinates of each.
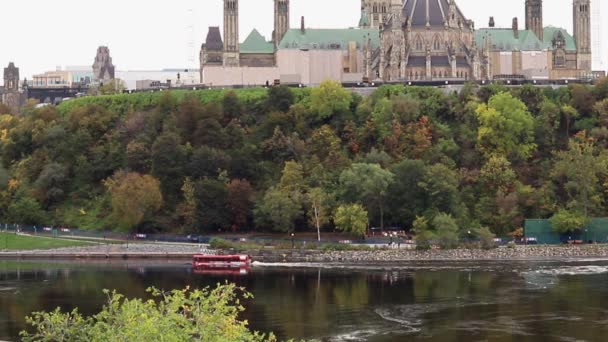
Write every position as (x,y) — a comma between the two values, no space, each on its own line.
(542,230)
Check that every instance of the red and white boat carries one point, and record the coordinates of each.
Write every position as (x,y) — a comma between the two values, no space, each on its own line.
(205,261)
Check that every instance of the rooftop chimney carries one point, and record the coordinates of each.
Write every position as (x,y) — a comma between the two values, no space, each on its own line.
(492,23)
(302,26)
(515,28)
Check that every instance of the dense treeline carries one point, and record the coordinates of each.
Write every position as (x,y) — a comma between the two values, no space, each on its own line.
(306,159)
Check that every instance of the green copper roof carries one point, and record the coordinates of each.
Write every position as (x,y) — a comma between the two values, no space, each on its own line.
(550,32)
(256,43)
(364,21)
(504,39)
(329,39)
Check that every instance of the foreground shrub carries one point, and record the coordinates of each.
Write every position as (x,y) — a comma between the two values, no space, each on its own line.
(447,231)
(217,243)
(209,315)
(486,238)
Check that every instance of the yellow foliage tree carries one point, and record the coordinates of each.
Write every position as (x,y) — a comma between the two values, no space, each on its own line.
(134,198)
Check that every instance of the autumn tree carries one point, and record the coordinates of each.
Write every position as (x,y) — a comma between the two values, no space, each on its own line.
(329,99)
(506,127)
(189,206)
(318,208)
(240,203)
(568,221)
(135,198)
(581,172)
(351,218)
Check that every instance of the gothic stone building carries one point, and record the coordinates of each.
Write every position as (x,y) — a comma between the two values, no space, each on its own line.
(432,39)
(255,51)
(540,52)
(398,40)
(12,96)
(423,40)
(103,69)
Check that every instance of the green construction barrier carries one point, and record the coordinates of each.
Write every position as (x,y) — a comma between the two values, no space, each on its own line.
(542,230)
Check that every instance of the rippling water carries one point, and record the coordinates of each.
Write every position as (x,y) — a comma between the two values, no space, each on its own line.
(489,301)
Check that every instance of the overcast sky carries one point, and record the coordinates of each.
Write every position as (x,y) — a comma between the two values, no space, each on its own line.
(39,35)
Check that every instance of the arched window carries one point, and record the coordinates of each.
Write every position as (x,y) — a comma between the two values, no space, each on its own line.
(436,43)
(419,43)
(416,74)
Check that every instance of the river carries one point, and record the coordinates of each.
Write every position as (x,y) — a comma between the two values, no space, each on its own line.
(481,301)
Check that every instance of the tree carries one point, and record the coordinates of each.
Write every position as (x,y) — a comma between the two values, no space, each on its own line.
(26,210)
(424,236)
(280,209)
(168,163)
(209,315)
(231,107)
(329,99)
(568,221)
(240,202)
(367,183)
(135,198)
(581,171)
(405,197)
(351,218)
(280,98)
(447,231)
(497,175)
(51,183)
(189,206)
(212,198)
(441,193)
(506,127)
(112,87)
(318,208)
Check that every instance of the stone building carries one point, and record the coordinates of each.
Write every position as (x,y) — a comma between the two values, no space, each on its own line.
(103,69)
(298,55)
(540,52)
(13,95)
(396,41)
(425,40)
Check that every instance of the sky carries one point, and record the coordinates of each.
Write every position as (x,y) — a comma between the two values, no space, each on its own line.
(39,35)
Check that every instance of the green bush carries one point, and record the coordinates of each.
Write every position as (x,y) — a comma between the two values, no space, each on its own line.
(217,243)
(486,238)
(424,240)
(447,231)
(210,315)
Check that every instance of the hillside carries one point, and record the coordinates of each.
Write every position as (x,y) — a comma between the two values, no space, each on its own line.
(294,159)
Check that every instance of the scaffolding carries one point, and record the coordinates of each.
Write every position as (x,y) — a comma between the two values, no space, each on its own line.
(596,36)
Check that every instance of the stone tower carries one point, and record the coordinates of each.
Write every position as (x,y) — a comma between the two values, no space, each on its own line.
(534,17)
(376,12)
(11,78)
(12,96)
(582,33)
(103,69)
(281,20)
(231,33)
(392,54)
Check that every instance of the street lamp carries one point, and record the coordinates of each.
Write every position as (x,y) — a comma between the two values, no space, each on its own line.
(293,243)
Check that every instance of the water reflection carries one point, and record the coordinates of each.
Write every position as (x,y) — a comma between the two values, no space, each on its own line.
(448,302)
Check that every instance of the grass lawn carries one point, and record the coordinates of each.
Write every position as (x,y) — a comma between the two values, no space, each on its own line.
(12,242)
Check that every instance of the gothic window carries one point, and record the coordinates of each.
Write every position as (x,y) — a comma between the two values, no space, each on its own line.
(416,74)
(559,58)
(436,43)
(419,43)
